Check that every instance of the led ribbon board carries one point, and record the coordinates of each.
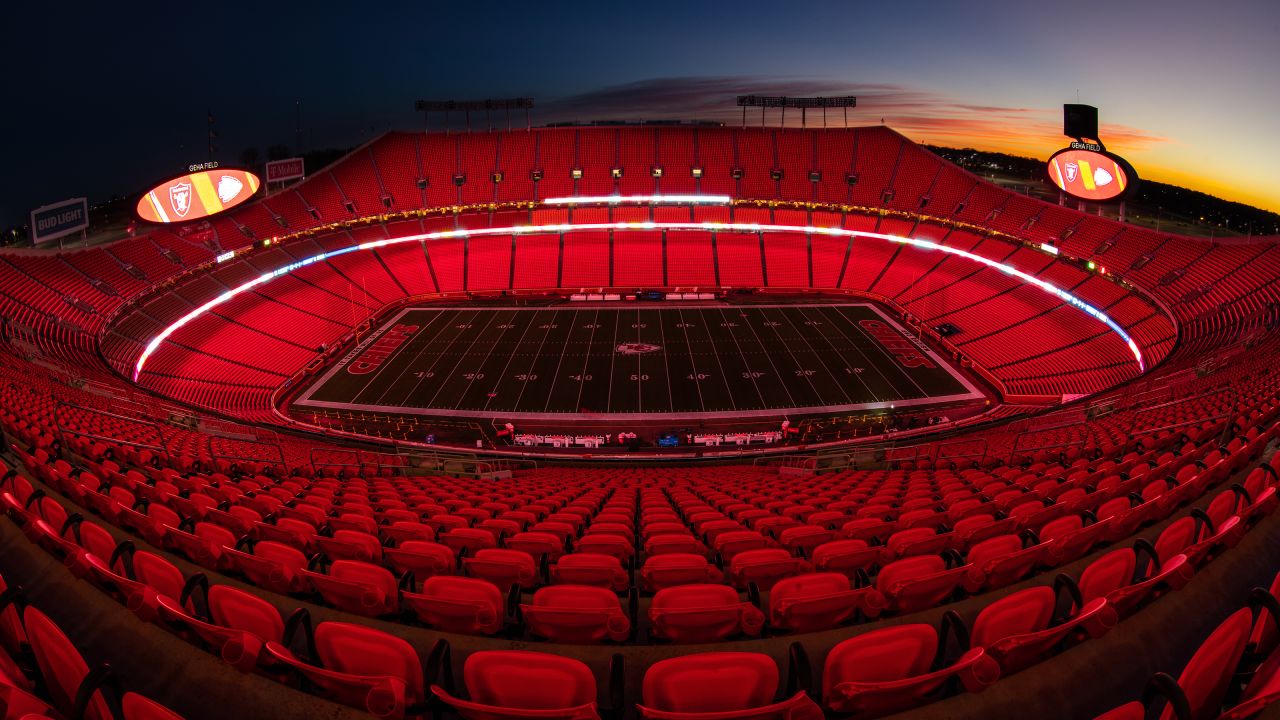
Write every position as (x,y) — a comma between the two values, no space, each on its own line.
(1048,287)
(642,200)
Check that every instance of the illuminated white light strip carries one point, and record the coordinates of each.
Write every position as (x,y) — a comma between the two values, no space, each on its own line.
(708,226)
(642,200)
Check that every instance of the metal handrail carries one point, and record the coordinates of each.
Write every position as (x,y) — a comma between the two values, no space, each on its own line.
(213,454)
(59,423)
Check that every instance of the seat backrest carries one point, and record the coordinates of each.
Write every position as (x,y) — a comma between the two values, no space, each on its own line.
(993,548)
(1206,677)
(1022,612)
(159,574)
(61,665)
(576,597)
(463,590)
(589,561)
(909,568)
(233,608)
(1109,572)
(694,596)
(287,555)
(711,682)
(359,538)
(366,573)
(211,532)
(1179,534)
(904,537)
(763,555)
(894,653)
(360,650)
(1059,527)
(528,680)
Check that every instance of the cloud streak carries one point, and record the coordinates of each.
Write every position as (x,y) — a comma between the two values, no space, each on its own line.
(922,114)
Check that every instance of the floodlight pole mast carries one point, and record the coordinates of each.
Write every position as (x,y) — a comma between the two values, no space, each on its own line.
(466,106)
(804,103)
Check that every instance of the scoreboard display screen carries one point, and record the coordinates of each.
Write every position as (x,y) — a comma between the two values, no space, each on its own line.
(197,195)
(1091,175)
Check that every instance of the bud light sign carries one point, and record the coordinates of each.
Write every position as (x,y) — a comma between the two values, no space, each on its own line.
(59,220)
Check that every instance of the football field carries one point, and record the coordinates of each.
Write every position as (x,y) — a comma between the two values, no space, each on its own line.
(637,361)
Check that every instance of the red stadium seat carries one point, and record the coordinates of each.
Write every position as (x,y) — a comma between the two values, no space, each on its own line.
(504,568)
(357,587)
(1020,629)
(920,582)
(999,561)
(271,565)
(1126,585)
(350,545)
(702,613)
(523,685)
(577,614)
(459,604)
(763,568)
(888,670)
(720,685)
(360,667)
(591,569)
(846,557)
(819,601)
(1203,684)
(423,558)
(61,666)
(240,624)
(672,569)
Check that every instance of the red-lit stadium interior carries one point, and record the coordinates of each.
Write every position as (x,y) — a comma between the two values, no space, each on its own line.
(1081,495)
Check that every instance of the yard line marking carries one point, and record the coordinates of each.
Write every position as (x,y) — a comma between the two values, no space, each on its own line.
(497,382)
(564,349)
(803,336)
(841,353)
(750,372)
(465,354)
(408,366)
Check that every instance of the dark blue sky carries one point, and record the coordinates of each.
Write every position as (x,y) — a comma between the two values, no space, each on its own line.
(106,97)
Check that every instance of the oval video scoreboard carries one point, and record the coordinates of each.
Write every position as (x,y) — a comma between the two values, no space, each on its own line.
(1087,172)
(197,195)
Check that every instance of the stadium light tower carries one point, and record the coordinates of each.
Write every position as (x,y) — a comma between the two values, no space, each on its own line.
(467,106)
(803,103)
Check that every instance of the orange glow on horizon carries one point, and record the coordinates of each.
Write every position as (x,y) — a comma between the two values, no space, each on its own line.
(1155,158)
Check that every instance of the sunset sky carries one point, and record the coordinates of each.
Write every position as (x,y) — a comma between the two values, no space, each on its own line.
(107,98)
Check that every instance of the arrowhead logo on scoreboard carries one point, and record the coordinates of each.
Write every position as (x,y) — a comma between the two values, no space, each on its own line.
(180,198)
(228,188)
(637,348)
(1072,170)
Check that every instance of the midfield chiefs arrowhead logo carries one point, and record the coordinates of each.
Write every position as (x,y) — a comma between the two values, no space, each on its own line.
(180,198)
(637,348)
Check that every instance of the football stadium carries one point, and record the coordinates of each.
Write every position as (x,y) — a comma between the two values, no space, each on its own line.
(767,417)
